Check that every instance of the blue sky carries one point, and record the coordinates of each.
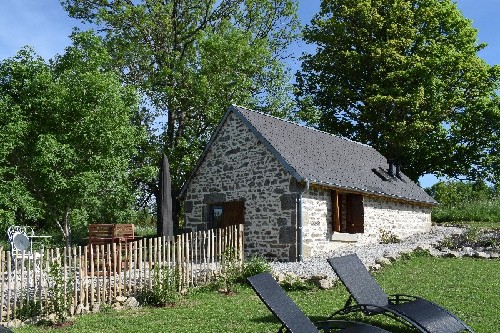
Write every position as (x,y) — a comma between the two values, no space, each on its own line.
(45,26)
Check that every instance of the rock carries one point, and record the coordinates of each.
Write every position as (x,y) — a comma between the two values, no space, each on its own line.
(382,261)
(392,257)
(96,308)
(375,267)
(436,253)
(15,323)
(131,302)
(280,277)
(325,283)
(81,309)
(481,255)
(494,255)
(424,247)
(117,306)
(120,299)
(452,254)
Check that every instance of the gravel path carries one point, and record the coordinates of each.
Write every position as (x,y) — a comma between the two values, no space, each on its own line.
(368,253)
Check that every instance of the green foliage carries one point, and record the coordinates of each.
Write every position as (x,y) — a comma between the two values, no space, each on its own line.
(29,310)
(404,76)
(166,287)
(231,270)
(387,237)
(257,264)
(295,283)
(190,60)
(465,202)
(59,290)
(69,139)
(452,193)
(473,237)
(485,213)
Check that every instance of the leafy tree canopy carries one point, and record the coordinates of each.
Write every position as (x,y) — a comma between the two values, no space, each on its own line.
(191,59)
(403,76)
(68,136)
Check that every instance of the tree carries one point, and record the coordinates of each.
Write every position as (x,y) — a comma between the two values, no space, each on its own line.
(191,59)
(403,76)
(71,138)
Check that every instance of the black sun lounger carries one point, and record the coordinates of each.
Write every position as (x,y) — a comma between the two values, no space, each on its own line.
(370,299)
(293,320)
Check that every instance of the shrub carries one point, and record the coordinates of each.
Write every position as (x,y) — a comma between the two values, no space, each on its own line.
(29,310)
(231,271)
(295,283)
(472,237)
(60,300)
(257,264)
(165,291)
(387,237)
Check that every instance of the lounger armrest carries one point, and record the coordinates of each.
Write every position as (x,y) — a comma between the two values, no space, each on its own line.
(401,298)
(367,309)
(327,325)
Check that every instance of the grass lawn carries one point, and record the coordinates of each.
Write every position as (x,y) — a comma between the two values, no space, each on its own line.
(468,287)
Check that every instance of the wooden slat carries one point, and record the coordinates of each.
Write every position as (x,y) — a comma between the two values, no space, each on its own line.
(95,269)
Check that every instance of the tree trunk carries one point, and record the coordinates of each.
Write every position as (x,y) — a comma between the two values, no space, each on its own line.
(65,228)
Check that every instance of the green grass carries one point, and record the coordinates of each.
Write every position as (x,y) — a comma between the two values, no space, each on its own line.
(468,287)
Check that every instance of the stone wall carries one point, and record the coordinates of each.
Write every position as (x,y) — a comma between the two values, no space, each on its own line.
(316,211)
(239,167)
(401,219)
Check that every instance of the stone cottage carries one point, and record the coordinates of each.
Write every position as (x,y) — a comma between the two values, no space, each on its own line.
(298,191)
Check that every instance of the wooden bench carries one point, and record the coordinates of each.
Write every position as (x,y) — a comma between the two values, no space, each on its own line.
(102,235)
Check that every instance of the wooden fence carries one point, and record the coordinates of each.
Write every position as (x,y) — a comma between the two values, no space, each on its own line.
(102,275)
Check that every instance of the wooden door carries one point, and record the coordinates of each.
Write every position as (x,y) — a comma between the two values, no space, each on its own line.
(233,213)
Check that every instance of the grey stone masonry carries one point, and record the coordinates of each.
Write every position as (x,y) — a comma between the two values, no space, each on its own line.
(399,218)
(238,167)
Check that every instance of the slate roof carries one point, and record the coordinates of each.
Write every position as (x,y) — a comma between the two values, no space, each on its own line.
(324,159)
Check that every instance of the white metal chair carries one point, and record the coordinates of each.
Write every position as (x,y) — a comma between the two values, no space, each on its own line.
(21,245)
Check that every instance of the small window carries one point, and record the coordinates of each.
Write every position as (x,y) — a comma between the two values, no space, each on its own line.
(216,216)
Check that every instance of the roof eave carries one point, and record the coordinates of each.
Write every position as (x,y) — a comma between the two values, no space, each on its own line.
(379,194)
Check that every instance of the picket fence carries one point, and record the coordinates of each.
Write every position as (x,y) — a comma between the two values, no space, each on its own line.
(106,272)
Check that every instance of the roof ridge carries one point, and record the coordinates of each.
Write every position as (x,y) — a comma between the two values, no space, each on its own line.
(303,126)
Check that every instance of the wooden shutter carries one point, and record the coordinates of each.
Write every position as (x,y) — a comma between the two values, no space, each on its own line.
(355,213)
(335,211)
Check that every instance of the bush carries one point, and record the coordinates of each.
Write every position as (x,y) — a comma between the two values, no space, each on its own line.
(29,310)
(231,271)
(387,237)
(60,300)
(295,283)
(472,237)
(165,291)
(257,264)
